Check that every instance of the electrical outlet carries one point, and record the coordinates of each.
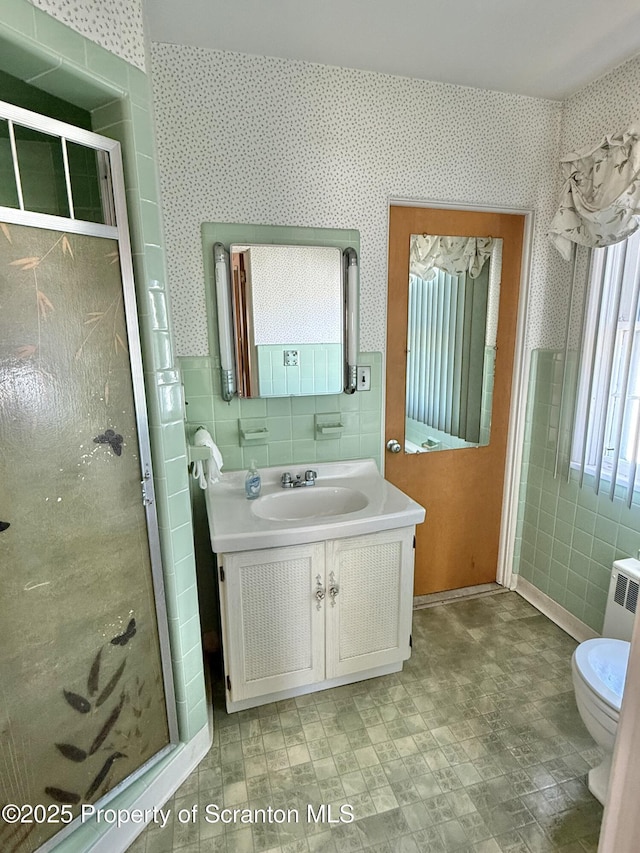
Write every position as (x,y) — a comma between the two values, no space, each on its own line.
(364,378)
(291,358)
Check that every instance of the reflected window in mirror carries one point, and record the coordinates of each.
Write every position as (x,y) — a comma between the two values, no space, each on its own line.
(454,293)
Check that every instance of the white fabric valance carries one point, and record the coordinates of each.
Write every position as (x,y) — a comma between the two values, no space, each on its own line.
(455,255)
(601,194)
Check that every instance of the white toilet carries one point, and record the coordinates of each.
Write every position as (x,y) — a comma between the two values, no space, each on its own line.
(599,668)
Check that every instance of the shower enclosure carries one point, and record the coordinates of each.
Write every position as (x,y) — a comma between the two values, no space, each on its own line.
(86,694)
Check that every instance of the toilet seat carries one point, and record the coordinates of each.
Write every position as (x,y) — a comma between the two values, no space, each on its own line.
(601,664)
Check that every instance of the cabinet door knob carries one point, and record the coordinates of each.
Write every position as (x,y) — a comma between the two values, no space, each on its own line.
(334,589)
(320,591)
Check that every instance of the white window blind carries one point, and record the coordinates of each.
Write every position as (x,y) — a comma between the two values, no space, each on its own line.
(606,441)
(446,339)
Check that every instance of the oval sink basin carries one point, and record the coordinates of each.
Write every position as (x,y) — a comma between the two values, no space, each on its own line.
(309,502)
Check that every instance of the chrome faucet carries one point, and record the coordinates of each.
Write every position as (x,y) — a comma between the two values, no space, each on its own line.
(288,483)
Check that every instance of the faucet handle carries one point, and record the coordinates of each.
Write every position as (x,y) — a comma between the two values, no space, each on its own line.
(310,476)
(286,480)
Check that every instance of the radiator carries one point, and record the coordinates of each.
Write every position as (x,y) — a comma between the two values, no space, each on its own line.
(622,600)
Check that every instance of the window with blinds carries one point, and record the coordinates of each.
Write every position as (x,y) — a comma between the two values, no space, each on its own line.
(606,441)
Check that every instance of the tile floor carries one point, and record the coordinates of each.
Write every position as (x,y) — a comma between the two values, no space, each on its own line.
(476,746)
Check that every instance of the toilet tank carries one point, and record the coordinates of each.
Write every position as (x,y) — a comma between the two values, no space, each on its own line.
(622,600)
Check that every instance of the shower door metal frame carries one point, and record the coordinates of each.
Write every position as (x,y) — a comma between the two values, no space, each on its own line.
(114,208)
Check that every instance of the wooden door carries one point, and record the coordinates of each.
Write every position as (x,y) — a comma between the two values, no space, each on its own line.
(461,489)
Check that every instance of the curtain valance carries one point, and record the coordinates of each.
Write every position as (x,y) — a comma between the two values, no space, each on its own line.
(601,194)
(454,255)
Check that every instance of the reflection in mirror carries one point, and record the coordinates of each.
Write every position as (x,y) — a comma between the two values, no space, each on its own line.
(454,293)
(288,313)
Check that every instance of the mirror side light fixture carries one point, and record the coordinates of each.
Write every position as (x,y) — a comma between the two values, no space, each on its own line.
(225,322)
(351,314)
(225,330)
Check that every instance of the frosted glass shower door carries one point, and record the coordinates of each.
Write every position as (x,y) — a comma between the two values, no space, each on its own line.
(82,694)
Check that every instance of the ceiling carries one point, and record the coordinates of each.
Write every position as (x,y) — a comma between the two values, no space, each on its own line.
(543,48)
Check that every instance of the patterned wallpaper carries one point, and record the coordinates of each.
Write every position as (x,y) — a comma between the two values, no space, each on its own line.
(256,139)
(116,25)
(610,103)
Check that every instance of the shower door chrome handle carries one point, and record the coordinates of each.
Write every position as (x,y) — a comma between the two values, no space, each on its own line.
(394,446)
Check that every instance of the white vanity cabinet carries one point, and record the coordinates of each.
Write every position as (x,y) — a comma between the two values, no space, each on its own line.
(305,617)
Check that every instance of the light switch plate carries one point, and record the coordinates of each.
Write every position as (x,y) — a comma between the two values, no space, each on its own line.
(364,378)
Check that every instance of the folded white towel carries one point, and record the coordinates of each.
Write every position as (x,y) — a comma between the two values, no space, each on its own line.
(210,470)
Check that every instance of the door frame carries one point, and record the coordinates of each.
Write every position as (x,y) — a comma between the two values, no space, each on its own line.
(519,381)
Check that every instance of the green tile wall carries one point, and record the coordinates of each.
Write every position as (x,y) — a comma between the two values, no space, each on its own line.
(320,369)
(22,94)
(40,157)
(288,419)
(44,52)
(568,537)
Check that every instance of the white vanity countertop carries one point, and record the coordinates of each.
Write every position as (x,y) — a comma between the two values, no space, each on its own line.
(235,523)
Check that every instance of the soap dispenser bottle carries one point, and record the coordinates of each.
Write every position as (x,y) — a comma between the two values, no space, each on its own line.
(252,482)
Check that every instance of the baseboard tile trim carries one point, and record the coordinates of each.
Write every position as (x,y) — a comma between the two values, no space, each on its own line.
(554,611)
